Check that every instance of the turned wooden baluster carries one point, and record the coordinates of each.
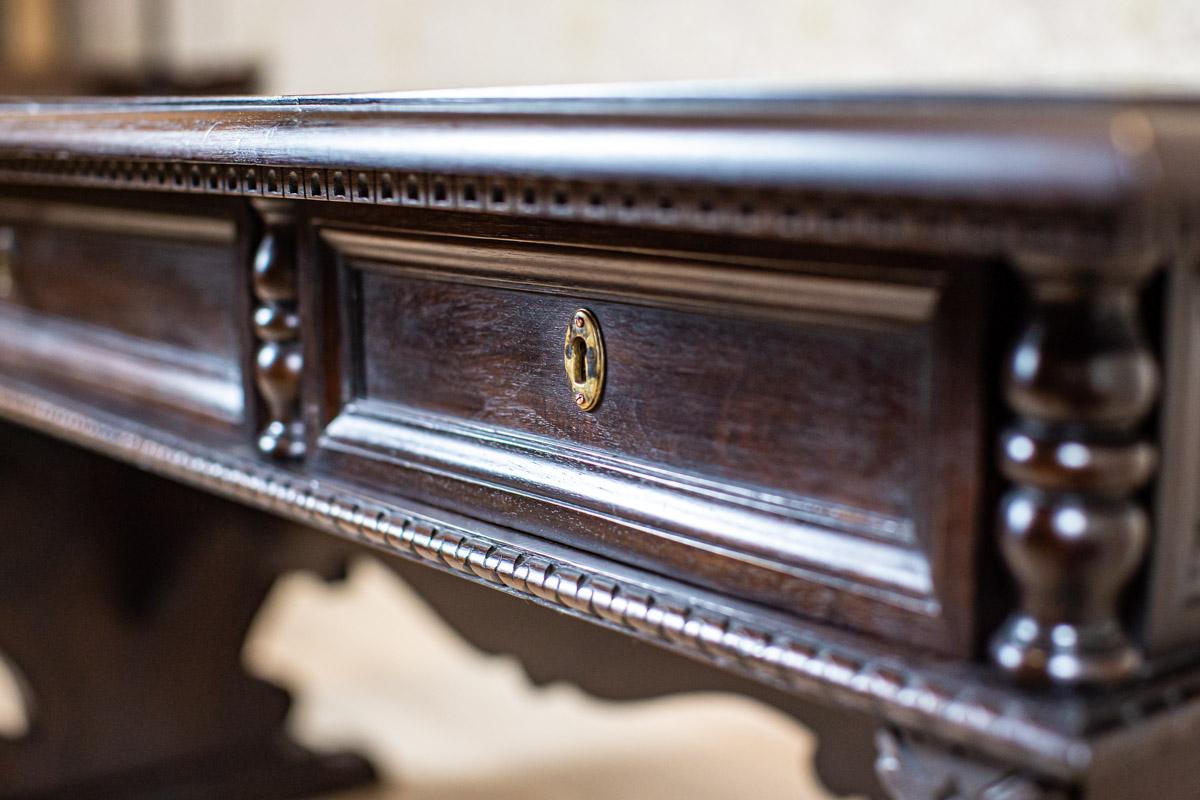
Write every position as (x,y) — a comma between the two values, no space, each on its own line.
(279,361)
(1081,381)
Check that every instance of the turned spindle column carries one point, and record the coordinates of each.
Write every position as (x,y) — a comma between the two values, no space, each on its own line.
(278,361)
(1081,382)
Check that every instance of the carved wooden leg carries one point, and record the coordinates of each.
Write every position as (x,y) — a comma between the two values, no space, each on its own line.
(124,602)
(553,647)
(913,770)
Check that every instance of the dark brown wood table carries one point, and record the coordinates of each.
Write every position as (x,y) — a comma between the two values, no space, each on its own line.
(879,409)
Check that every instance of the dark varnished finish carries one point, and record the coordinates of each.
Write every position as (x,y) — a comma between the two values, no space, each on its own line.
(114,268)
(1171,614)
(83,359)
(910,769)
(683,389)
(1081,379)
(279,359)
(788,445)
(132,302)
(125,620)
(807,428)
(622,668)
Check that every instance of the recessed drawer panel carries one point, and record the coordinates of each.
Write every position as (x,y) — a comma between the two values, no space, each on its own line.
(130,304)
(744,401)
(768,429)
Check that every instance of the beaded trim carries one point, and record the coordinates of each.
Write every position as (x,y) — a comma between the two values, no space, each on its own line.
(850,220)
(793,657)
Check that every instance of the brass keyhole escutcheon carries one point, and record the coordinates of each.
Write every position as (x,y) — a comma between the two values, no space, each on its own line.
(583,358)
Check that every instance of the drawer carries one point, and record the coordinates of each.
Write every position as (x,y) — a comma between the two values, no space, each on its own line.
(132,305)
(799,434)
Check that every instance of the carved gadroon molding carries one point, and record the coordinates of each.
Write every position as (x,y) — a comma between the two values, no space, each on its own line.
(840,219)
(909,769)
(785,653)
(1081,381)
(278,359)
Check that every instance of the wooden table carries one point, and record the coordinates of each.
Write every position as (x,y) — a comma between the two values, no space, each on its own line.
(876,408)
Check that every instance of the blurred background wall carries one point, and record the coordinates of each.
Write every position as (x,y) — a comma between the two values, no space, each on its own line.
(310,46)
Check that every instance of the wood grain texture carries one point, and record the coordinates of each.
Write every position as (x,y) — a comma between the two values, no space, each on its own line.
(161,277)
(1081,379)
(126,302)
(1171,616)
(721,283)
(790,470)
(135,688)
(1052,734)
(1060,736)
(279,357)
(682,389)
(625,669)
(110,365)
(972,175)
(913,770)
(858,250)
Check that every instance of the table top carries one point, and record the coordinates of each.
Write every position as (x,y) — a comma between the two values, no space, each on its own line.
(1129,163)
(930,136)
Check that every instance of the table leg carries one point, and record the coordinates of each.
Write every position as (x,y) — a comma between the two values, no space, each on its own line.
(124,603)
(912,769)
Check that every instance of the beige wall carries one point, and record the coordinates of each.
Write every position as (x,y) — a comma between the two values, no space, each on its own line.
(375,45)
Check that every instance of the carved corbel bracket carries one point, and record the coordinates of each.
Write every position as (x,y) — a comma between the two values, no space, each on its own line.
(910,769)
(279,359)
(1081,381)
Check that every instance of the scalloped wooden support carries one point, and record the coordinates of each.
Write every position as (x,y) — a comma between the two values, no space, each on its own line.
(136,689)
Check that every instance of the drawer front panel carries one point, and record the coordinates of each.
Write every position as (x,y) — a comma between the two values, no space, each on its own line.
(753,402)
(135,305)
(778,443)
(160,277)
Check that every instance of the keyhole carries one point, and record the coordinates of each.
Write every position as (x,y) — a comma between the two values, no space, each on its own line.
(583,359)
(579,359)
